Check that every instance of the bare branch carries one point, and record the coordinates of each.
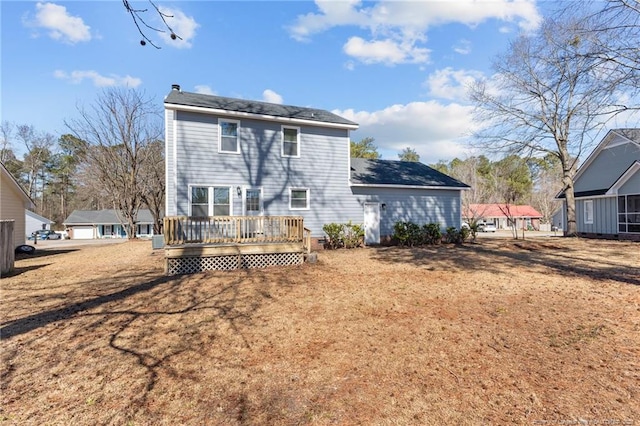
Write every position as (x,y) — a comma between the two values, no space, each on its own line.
(138,20)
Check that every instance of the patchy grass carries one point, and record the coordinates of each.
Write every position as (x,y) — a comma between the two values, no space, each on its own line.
(499,332)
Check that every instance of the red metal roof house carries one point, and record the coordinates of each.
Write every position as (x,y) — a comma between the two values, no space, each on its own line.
(504,215)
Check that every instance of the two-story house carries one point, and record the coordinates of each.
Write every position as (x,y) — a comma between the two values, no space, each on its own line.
(240,157)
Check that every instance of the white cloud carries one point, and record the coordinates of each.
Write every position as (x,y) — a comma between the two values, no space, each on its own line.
(77,77)
(435,131)
(463,47)
(204,89)
(451,84)
(397,29)
(384,51)
(271,96)
(59,23)
(182,25)
(333,13)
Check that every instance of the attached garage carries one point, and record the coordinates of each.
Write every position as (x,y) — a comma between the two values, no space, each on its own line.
(82,232)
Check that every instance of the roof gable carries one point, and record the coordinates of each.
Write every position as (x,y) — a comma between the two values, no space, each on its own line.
(370,172)
(259,109)
(612,139)
(8,177)
(38,217)
(624,178)
(607,163)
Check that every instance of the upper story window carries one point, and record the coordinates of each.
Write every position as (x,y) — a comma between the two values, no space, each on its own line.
(299,198)
(290,141)
(229,140)
(588,211)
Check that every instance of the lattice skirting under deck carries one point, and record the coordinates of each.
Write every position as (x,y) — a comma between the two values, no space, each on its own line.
(191,265)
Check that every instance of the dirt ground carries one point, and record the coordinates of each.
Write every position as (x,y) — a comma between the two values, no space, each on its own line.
(543,331)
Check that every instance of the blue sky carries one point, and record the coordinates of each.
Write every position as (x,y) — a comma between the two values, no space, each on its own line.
(396,68)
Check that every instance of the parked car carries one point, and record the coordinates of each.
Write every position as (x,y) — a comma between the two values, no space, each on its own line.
(46,234)
(487,227)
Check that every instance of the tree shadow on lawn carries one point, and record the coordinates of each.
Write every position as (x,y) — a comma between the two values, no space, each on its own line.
(496,257)
(156,321)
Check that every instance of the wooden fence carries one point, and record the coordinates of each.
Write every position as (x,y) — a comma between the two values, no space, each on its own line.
(7,247)
(180,230)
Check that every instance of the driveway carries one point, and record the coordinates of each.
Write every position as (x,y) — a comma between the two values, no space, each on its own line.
(62,244)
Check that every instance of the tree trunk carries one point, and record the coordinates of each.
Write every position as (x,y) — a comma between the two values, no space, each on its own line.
(571,228)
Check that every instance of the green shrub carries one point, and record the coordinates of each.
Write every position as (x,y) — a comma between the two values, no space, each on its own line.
(456,236)
(347,235)
(431,233)
(410,234)
(334,235)
(407,233)
(353,235)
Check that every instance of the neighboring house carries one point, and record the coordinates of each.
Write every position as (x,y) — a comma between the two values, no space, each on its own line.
(504,216)
(607,189)
(108,223)
(35,222)
(14,201)
(239,157)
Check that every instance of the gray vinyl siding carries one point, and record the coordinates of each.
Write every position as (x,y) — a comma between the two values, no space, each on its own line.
(322,167)
(559,217)
(605,215)
(607,167)
(420,206)
(632,186)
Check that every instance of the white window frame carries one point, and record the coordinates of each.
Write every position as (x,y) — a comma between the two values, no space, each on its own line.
(297,129)
(260,201)
(191,198)
(588,212)
(210,200)
(308,198)
(237,123)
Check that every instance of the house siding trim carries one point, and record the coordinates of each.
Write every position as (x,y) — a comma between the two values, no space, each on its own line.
(240,114)
(626,176)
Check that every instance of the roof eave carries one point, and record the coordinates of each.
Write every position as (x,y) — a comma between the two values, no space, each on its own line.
(398,186)
(240,114)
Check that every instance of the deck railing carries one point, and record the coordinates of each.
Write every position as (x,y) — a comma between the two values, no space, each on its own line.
(235,229)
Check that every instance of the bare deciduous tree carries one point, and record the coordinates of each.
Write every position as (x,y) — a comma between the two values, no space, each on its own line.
(153,183)
(39,147)
(548,97)
(118,129)
(6,149)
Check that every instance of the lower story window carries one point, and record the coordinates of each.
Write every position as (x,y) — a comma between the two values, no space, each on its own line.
(299,198)
(629,213)
(588,211)
(210,201)
(221,201)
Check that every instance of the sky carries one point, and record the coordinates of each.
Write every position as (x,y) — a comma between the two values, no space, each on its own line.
(398,69)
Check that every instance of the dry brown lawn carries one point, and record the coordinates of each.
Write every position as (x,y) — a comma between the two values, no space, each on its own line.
(544,331)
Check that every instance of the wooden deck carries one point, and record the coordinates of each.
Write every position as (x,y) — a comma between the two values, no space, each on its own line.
(195,244)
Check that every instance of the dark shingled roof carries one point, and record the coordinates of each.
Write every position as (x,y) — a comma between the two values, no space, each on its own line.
(178,97)
(389,172)
(106,216)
